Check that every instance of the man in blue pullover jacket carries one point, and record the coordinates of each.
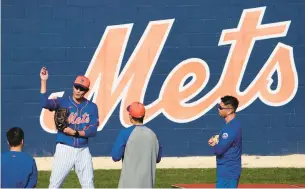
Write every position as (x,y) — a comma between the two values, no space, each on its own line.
(228,150)
(18,169)
(72,149)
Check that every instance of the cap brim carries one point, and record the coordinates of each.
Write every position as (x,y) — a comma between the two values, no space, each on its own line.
(80,85)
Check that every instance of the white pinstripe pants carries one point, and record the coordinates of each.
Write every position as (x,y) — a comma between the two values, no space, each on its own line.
(66,158)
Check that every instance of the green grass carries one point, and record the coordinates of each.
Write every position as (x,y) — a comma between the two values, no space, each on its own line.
(166,177)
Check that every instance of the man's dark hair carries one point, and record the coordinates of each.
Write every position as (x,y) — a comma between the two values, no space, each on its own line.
(230,100)
(14,136)
(139,120)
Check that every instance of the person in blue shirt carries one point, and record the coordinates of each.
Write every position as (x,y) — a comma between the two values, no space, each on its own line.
(18,169)
(228,149)
(139,149)
(72,144)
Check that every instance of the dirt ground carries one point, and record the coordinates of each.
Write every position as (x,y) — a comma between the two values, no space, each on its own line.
(289,161)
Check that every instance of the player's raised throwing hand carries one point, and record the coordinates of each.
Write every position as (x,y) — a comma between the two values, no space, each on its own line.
(44,74)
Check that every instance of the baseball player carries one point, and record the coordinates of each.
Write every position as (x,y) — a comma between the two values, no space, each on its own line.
(18,169)
(139,149)
(228,147)
(72,149)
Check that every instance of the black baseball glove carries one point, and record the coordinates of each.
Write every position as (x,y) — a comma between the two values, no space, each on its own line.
(61,118)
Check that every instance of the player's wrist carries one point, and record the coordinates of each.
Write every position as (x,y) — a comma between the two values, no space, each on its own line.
(76,133)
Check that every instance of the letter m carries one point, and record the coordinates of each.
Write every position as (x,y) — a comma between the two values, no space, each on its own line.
(108,86)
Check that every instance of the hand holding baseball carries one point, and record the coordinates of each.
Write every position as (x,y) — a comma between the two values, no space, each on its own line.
(213,140)
(44,74)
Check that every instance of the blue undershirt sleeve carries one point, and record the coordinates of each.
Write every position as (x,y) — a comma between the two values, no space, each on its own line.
(120,143)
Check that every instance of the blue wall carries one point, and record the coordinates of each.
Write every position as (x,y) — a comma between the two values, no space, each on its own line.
(64,34)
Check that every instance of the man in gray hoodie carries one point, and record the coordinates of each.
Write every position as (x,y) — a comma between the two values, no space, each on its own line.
(139,149)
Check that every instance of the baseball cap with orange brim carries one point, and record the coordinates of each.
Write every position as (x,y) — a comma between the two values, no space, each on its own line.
(136,109)
(82,81)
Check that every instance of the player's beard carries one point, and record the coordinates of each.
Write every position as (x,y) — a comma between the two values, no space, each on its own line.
(221,114)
